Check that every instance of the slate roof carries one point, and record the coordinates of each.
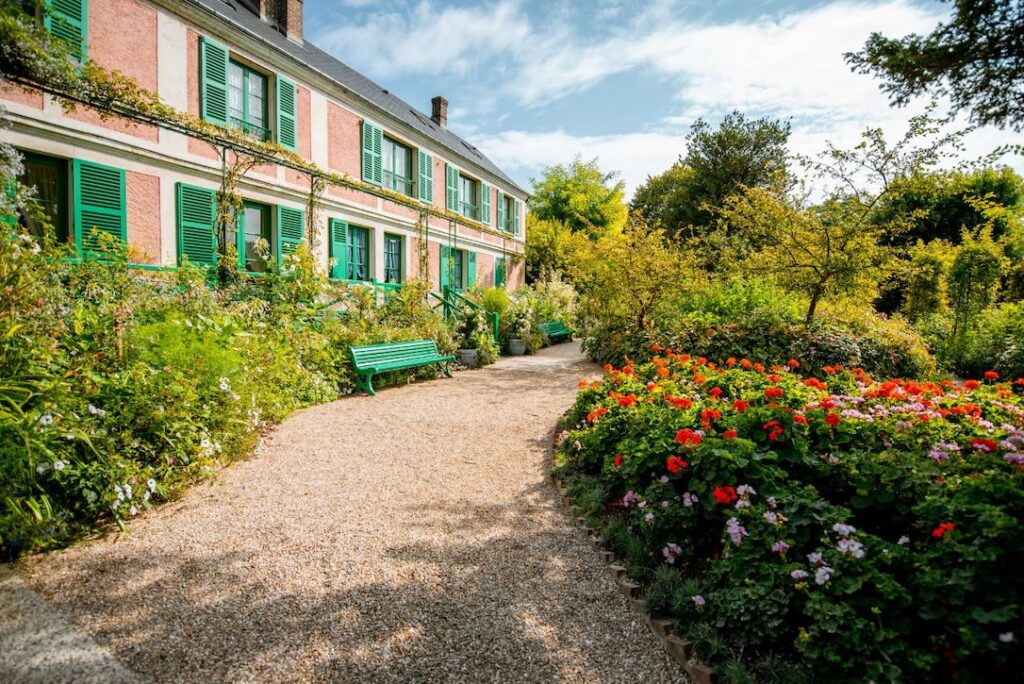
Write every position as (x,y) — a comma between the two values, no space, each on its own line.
(237,12)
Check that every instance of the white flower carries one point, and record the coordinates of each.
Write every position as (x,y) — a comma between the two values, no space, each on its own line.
(46,419)
(851,548)
(744,490)
(822,574)
(814,558)
(42,468)
(798,574)
(1006,637)
(843,530)
(225,385)
(60,465)
(903,540)
(98,412)
(133,510)
(127,491)
(151,483)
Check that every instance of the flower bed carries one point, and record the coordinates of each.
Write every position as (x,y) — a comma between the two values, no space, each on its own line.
(839,529)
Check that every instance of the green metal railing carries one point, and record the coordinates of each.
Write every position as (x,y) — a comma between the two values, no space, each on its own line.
(451,297)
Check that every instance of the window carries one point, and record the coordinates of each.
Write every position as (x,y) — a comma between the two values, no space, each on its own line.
(358,254)
(468,197)
(49,177)
(458,257)
(397,162)
(506,213)
(247,100)
(392,258)
(252,237)
(67,20)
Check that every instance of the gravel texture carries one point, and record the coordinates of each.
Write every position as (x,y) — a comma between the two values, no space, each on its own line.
(409,537)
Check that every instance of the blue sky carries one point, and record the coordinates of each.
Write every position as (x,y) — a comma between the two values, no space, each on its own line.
(534,82)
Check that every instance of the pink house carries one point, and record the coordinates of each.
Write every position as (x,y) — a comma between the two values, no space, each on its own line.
(245,64)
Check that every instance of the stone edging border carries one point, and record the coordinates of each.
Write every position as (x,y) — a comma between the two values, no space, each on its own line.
(680,649)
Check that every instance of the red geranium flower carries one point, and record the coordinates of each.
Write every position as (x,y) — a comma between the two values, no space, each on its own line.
(688,437)
(618,461)
(740,406)
(942,529)
(716,392)
(800,419)
(655,347)
(774,378)
(991,375)
(731,361)
(725,495)
(832,419)
(650,386)
(628,400)
(729,434)
(793,363)
(676,465)
(972,384)
(773,393)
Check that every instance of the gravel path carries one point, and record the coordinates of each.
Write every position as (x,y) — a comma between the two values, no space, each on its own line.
(409,537)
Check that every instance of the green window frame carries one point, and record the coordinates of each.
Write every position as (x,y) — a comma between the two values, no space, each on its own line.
(397,166)
(196,218)
(392,258)
(507,214)
(358,254)
(500,272)
(247,107)
(469,191)
(252,224)
(458,270)
(49,176)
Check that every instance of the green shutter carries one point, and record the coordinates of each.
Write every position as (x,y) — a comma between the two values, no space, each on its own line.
(68,20)
(485,203)
(9,216)
(515,217)
(213,81)
(499,271)
(339,248)
(286,119)
(471,270)
(197,219)
(426,167)
(451,195)
(373,140)
(100,203)
(501,211)
(290,229)
(446,267)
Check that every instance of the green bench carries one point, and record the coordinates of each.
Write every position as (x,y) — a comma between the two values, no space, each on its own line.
(372,359)
(555,331)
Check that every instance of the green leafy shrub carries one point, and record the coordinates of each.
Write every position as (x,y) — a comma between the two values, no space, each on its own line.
(836,525)
(754,319)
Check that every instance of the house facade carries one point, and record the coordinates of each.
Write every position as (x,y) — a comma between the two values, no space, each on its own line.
(245,64)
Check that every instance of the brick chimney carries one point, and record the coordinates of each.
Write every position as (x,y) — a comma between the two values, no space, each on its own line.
(439,111)
(285,15)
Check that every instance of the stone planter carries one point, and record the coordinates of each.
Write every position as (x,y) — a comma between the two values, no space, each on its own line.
(470,358)
(516,347)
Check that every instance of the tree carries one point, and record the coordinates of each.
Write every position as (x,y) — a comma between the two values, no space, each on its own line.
(835,247)
(973,280)
(942,204)
(554,248)
(628,277)
(739,154)
(664,201)
(581,196)
(976,60)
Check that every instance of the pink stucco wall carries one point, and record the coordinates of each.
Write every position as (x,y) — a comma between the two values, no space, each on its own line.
(516,273)
(439,183)
(143,193)
(484,270)
(434,264)
(342,140)
(25,97)
(123,37)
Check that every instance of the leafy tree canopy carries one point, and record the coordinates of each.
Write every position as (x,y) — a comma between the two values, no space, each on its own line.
(976,60)
(942,204)
(581,196)
(685,200)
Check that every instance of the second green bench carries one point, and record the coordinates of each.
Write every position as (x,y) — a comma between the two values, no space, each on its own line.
(373,359)
(555,331)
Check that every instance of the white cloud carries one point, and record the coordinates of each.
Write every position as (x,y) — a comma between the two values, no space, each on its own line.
(429,40)
(634,155)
